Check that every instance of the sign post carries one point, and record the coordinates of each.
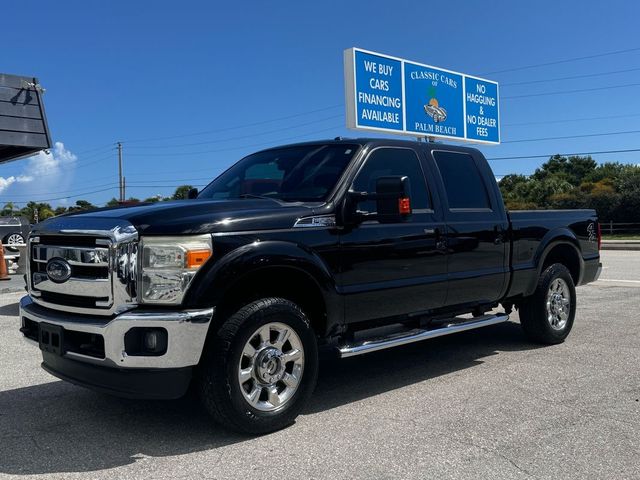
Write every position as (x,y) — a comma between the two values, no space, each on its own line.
(389,94)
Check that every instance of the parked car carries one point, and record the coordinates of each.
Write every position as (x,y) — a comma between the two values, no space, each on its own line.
(13,232)
(292,249)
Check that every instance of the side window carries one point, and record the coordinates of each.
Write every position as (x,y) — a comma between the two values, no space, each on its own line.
(385,162)
(462,180)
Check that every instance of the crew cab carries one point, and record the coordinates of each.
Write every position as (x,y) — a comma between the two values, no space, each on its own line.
(292,249)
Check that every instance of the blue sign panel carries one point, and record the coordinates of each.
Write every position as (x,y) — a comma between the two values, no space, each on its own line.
(481,99)
(435,104)
(379,91)
(389,94)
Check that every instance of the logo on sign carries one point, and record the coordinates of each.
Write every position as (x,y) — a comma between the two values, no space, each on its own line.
(58,270)
(433,108)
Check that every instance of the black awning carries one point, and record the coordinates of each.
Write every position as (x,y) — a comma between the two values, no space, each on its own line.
(23,123)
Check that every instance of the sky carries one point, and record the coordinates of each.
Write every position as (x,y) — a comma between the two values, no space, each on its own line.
(191,87)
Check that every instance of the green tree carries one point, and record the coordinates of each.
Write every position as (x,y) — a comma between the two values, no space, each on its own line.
(37,212)
(573,169)
(8,210)
(182,192)
(114,202)
(82,205)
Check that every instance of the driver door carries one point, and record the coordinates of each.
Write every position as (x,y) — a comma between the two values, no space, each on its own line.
(393,269)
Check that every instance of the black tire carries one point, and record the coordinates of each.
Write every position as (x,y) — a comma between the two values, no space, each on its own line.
(534,312)
(217,376)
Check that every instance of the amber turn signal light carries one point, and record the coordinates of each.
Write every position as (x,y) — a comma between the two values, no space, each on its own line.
(196,258)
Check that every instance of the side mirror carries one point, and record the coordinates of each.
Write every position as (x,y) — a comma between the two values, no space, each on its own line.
(192,193)
(393,199)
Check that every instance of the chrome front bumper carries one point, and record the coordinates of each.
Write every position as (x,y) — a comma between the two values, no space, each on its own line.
(186,329)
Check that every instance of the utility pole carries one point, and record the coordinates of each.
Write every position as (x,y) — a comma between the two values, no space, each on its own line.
(120,179)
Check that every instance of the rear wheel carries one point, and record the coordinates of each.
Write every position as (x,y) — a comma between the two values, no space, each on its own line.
(260,367)
(547,315)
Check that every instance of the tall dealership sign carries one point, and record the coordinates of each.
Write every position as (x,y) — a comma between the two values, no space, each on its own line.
(389,94)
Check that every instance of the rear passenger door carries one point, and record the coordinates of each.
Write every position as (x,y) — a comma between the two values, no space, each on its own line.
(476,228)
(391,269)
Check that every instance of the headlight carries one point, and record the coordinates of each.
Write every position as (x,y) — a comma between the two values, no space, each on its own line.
(169,264)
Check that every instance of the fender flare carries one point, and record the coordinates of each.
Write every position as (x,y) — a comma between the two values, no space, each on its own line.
(553,238)
(211,285)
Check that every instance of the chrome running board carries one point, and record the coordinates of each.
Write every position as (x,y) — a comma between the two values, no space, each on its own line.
(418,334)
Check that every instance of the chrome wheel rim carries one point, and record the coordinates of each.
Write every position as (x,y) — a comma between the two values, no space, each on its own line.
(271,367)
(15,239)
(558,304)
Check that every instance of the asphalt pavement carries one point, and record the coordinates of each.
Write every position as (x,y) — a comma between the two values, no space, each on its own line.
(480,404)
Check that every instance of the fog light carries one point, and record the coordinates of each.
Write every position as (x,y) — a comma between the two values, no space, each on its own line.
(149,342)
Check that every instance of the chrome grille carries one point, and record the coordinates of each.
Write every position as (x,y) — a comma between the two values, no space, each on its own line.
(103,270)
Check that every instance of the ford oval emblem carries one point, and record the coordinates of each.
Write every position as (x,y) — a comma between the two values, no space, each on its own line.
(58,270)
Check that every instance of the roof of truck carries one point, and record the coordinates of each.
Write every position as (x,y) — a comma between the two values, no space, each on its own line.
(376,142)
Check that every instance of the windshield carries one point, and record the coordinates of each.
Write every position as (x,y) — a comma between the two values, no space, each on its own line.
(9,221)
(301,173)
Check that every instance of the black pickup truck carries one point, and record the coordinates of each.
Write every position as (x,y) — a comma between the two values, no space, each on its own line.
(292,249)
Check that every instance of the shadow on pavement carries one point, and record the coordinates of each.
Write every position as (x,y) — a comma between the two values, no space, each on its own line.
(10,310)
(57,427)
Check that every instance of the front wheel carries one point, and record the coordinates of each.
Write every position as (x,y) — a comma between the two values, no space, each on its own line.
(547,315)
(260,367)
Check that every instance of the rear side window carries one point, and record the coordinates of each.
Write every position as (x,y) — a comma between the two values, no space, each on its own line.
(385,162)
(462,180)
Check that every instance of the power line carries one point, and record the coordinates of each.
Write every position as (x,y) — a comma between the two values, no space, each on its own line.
(562,92)
(545,122)
(69,196)
(601,152)
(572,77)
(178,154)
(103,147)
(58,192)
(263,122)
(567,60)
(165,186)
(174,180)
(240,137)
(572,136)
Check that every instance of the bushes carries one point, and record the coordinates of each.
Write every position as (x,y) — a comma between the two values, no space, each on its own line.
(612,189)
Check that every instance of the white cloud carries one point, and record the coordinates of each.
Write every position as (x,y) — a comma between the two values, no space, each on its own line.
(44,174)
(49,162)
(8,181)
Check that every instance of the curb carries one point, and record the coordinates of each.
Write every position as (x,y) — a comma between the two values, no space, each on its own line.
(620,245)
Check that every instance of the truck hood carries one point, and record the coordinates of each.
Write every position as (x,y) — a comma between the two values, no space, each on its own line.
(192,216)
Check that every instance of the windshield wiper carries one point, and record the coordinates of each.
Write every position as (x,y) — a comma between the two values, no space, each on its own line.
(254,195)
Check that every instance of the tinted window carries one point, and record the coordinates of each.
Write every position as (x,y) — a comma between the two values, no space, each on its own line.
(462,180)
(302,173)
(385,162)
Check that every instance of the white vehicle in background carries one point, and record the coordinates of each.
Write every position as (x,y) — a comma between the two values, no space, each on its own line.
(13,232)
